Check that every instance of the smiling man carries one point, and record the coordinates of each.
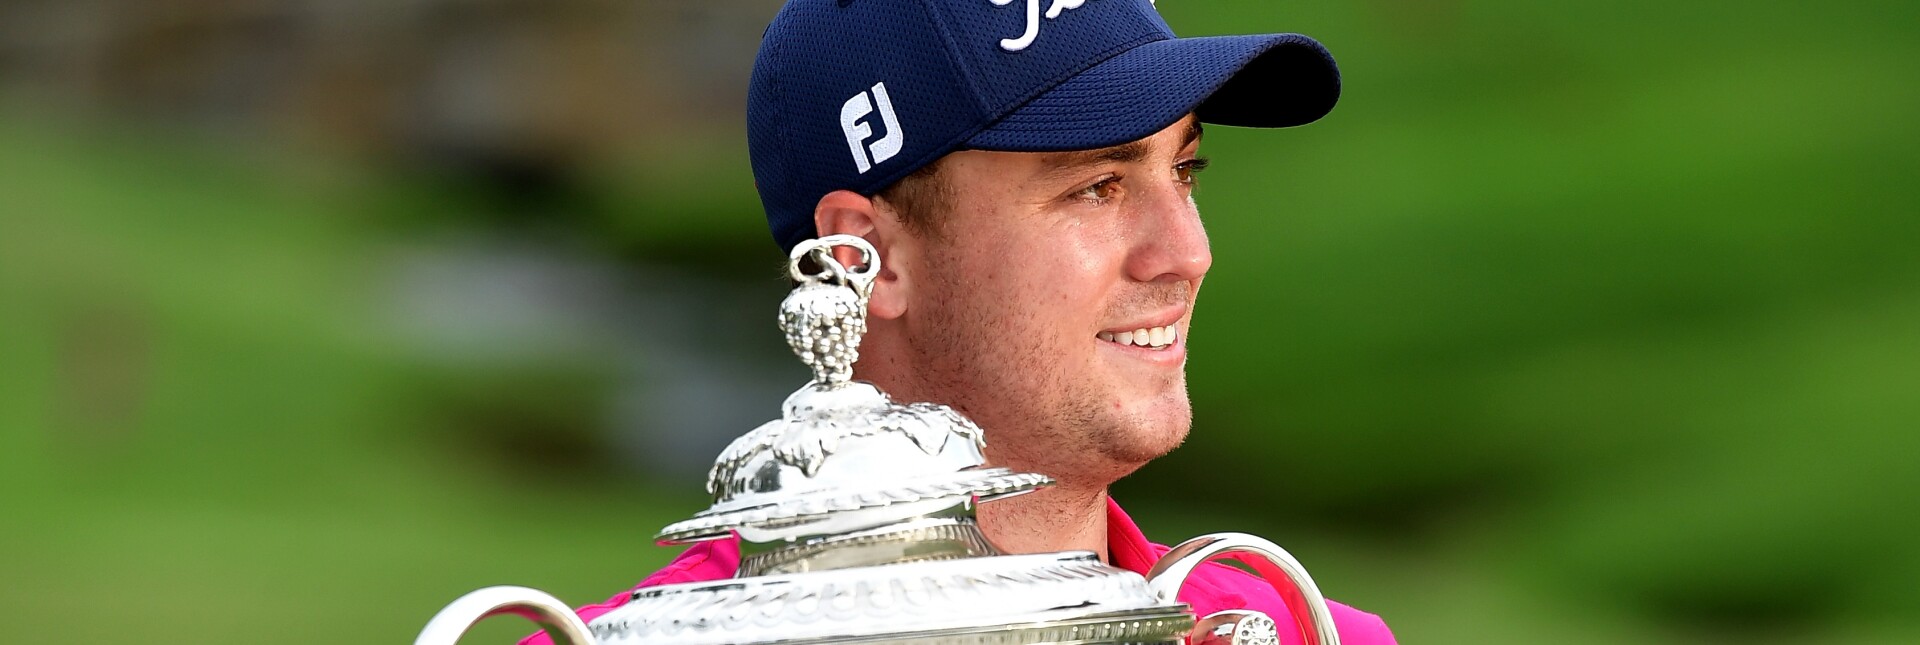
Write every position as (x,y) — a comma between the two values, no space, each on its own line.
(1027,178)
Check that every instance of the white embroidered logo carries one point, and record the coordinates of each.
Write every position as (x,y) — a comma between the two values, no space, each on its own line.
(858,129)
(1033,20)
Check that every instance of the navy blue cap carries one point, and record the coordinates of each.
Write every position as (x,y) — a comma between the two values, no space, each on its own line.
(856,94)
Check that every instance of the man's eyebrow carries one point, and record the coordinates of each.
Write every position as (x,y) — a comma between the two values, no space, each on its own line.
(1124,153)
(1064,163)
(1193,133)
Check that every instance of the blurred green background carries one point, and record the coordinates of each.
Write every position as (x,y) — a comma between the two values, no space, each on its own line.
(1574,323)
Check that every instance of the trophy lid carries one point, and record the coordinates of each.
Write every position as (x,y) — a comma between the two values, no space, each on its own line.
(890,462)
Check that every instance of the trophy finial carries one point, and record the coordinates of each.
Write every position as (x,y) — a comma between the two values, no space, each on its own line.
(843,458)
(826,315)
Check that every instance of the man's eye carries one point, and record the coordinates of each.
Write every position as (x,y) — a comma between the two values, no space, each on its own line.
(1100,192)
(1185,172)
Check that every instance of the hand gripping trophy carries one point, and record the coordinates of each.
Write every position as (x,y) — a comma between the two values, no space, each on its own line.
(857,525)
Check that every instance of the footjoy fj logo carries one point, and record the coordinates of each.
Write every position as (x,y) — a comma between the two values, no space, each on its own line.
(858,128)
(1033,20)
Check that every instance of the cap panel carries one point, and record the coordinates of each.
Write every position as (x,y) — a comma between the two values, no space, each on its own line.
(1014,50)
(849,95)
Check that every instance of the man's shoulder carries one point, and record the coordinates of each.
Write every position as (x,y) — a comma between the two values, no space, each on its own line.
(1216,586)
(711,560)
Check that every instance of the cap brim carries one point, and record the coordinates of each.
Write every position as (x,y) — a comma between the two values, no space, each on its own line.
(1262,81)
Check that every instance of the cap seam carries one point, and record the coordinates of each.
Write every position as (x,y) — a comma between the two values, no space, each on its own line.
(780,117)
(953,56)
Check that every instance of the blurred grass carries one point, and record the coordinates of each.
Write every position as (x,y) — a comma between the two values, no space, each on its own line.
(263,469)
(1572,324)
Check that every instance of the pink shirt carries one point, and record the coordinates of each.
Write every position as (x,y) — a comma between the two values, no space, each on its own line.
(1211,587)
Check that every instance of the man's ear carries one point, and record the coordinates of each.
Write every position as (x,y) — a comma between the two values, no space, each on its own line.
(844,212)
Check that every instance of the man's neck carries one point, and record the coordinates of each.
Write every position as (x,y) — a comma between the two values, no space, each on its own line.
(1061,517)
(1055,518)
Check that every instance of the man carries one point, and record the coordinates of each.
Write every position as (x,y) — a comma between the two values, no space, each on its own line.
(1027,179)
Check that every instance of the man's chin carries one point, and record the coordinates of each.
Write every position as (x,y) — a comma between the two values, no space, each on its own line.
(1150,433)
(1129,454)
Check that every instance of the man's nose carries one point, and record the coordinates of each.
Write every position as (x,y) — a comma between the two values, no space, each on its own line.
(1169,242)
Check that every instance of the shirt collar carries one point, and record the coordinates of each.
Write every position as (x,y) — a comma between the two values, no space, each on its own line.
(1127,547)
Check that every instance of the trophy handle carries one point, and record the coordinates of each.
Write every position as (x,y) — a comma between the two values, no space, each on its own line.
(1296,588)
(532,604)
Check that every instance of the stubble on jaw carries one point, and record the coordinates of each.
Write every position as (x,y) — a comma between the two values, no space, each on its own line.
(1039,414)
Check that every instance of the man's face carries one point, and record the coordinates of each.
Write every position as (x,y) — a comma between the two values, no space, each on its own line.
(1042,265)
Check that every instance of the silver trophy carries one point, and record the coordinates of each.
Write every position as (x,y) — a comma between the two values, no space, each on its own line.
(857,525)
